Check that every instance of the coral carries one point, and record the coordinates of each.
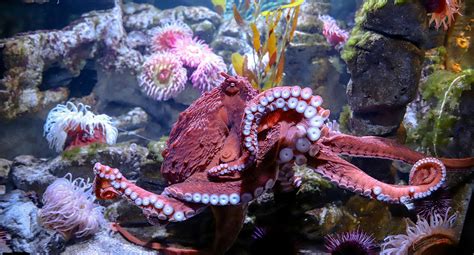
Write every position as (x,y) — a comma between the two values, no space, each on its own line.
(353,242)
(69,208)
(163,76)
(69,125)
(438,226)
(208,73)
(442,12)
(334,35)
(166,36)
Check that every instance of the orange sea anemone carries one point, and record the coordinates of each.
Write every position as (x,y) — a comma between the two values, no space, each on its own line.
(442,12)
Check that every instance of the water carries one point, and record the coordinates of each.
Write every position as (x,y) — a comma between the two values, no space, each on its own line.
(189,100)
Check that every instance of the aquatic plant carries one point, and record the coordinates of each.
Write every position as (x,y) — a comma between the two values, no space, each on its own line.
(426,234)
(334,35)
(353,242)
(69,126)
(163,76)
(442,12)
(435,128)
(271,44)
(69,208)
(166,36)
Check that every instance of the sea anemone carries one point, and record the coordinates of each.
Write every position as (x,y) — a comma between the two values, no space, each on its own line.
(68,126)
(208,73)
(334,35)
(439,202)
(424,237)
(163,76)
(69,208)
(442,11)
(166,36)
(353,242)
(192,51)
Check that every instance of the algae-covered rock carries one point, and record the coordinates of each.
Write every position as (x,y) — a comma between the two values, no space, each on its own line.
(384,56)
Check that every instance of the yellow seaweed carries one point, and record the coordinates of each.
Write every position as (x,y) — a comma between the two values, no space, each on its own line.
(219,5)
(256,37)
(237,16)
(238,63)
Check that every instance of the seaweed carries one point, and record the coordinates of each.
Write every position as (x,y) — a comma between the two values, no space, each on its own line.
(269,46)
(443,89)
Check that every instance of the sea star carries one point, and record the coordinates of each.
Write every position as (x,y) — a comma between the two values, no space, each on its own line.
(227,148)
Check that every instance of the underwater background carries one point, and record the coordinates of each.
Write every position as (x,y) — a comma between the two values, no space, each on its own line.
(136,127)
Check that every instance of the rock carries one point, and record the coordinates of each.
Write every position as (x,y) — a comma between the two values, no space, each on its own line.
(306,59)
(5,167)
(380,60)
(405,21)
(231,39)
(98,35)
(31,174)
(384,57)
(121,89)
(20,219)
(104,243)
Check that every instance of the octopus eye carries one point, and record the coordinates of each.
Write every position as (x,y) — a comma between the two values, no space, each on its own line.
(232,89)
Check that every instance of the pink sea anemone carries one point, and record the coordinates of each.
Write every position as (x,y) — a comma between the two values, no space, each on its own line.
(68,126)
(353,242)
(442,11)
(163,76)
(208,73)
(192,51)
(69,208)
(426,236)
(334,35)
(166,36)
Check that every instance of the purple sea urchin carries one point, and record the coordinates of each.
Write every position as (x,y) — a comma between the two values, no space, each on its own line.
(353,242)
(439,202)
(424,237)
(69,208)
(163,76)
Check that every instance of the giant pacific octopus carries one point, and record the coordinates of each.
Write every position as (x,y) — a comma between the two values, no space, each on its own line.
(233,143)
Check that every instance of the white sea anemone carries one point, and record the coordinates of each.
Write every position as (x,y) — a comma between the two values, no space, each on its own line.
(436,225)
(69,117)
(69,208)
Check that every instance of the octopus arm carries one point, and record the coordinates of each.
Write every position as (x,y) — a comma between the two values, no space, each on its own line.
(427,175)
(378,147)
(109,183)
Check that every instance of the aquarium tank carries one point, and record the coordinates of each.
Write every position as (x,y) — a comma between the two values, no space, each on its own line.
(241,127)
